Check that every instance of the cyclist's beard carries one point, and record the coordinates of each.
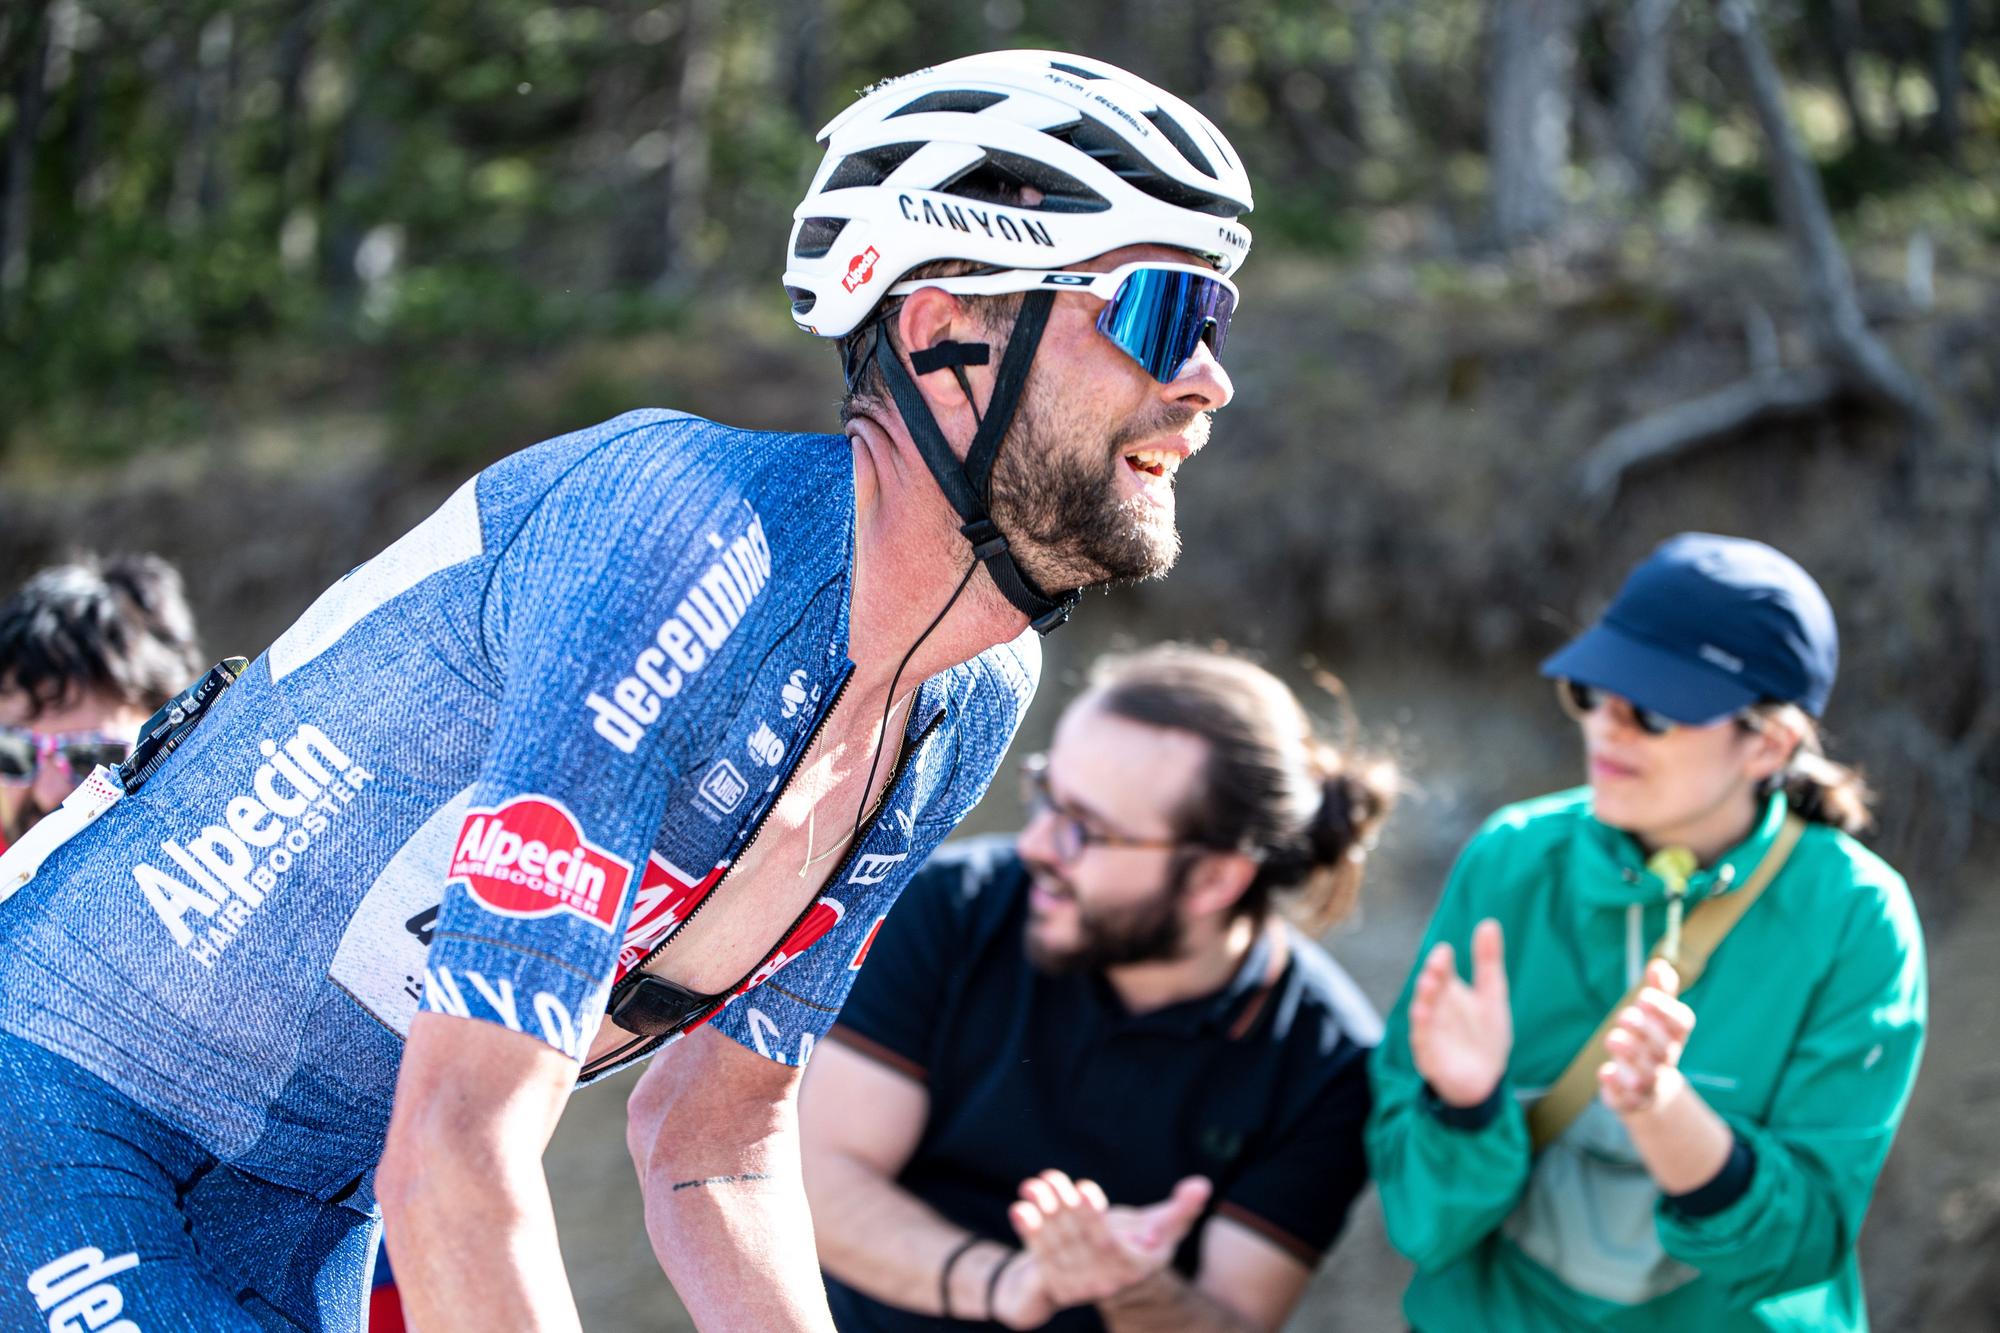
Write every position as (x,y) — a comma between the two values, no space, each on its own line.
(1144,932)
(1056,497)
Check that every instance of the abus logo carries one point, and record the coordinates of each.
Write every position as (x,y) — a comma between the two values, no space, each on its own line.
(74,1292)
(860,269)
(234,863)
(702,622)
(528,858)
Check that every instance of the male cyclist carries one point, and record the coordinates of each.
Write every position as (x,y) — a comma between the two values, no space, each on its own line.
(641,716)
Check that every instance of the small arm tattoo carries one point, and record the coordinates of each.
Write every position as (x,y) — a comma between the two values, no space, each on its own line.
(743,1179)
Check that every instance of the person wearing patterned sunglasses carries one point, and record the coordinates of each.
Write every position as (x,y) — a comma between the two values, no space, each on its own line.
(87,650)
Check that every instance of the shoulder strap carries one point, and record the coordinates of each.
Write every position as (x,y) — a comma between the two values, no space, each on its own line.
(1706,927)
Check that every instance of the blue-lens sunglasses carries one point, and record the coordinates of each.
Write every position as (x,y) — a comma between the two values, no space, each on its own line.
(1157,313)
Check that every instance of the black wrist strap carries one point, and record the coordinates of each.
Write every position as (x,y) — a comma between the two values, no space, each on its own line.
(993,1281)
(944,1274)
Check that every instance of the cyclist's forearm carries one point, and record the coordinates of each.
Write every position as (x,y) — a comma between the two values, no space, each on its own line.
(473,1242)
(730,1227)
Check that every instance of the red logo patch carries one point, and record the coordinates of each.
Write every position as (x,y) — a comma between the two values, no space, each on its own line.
(860,269)
(528,858)
(666,895)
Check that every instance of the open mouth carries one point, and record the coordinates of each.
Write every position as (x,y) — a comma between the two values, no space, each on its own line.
(1162,463)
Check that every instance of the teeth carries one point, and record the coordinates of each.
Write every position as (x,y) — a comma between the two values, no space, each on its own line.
(1166,461)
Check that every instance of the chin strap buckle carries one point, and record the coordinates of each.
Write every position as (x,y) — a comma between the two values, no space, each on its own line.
(986,538)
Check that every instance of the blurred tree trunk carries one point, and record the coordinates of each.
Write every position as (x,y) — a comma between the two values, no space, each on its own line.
(1643,48)
(1379,111)
(1948,75)
(1840,34)
(294,54)
(1839,328)
(17,188)
(802,42)
(695,80)
(197,182)
(1530,83)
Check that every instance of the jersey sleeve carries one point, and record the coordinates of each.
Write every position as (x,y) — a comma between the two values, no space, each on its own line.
(914,955)
(598,709)
(783,1019)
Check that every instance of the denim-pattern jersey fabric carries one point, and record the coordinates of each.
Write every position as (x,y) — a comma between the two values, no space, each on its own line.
(610,646)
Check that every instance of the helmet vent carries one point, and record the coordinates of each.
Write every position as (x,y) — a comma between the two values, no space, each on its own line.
(949,99)
(1180,139)
(1077,70)
(1002,176)
(802,300)
(1100,142)
(816,237)
(870,166)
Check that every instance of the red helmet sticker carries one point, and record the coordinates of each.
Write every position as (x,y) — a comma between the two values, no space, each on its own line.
(666,895)
(860,269)
(527,857)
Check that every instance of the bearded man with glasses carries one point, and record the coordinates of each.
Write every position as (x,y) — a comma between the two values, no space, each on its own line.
(87,651)
(1090,1077)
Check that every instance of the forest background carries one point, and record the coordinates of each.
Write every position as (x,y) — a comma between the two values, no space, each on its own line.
(1536,284)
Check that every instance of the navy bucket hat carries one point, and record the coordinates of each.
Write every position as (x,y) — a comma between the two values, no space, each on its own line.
(1707,626)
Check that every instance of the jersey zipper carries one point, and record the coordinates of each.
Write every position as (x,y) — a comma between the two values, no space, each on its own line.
(627,1054)
(756,830)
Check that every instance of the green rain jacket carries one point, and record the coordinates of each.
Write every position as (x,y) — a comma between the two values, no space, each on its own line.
(1809,1023)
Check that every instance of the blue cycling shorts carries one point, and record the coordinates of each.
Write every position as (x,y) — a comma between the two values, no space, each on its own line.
(114,1222)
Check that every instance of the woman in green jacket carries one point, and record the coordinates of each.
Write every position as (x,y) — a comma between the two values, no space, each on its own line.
(1710,1168)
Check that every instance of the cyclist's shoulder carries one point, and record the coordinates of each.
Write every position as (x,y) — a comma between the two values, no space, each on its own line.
(1001,680)
(644,457)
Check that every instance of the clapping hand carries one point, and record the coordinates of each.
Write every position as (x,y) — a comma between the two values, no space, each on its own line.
(1645,1044)
(1081,1248)
(1460,1035)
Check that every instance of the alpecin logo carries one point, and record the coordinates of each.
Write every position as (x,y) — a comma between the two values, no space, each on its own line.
(702,621)
(232,864)
(76,1293)
(527,857)
(860,269)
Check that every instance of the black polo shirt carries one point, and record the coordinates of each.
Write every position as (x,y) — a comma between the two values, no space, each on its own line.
(1262,1087)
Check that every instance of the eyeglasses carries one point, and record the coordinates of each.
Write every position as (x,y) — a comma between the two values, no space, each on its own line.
(1073,833)
(23,752)
(1580,700)
(1157,313)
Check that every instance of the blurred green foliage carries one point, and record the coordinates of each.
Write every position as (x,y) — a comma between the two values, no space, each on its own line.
(390,188)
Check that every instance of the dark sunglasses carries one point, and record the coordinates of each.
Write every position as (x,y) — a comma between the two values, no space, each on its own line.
(23,752)
(1073,835)
(1580,700)
(1157,313)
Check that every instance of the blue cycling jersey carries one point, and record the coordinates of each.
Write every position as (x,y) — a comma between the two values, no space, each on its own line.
(484,774)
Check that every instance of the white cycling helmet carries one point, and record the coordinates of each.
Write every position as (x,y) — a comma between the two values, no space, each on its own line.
(912,171)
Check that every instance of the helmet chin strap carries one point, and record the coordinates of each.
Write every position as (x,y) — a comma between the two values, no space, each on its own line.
(968,486)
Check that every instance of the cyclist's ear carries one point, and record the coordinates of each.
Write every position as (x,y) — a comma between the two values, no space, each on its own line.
(941,324)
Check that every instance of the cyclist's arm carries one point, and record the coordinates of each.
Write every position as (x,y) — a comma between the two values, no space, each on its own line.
(472,1234)
(714,1133)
